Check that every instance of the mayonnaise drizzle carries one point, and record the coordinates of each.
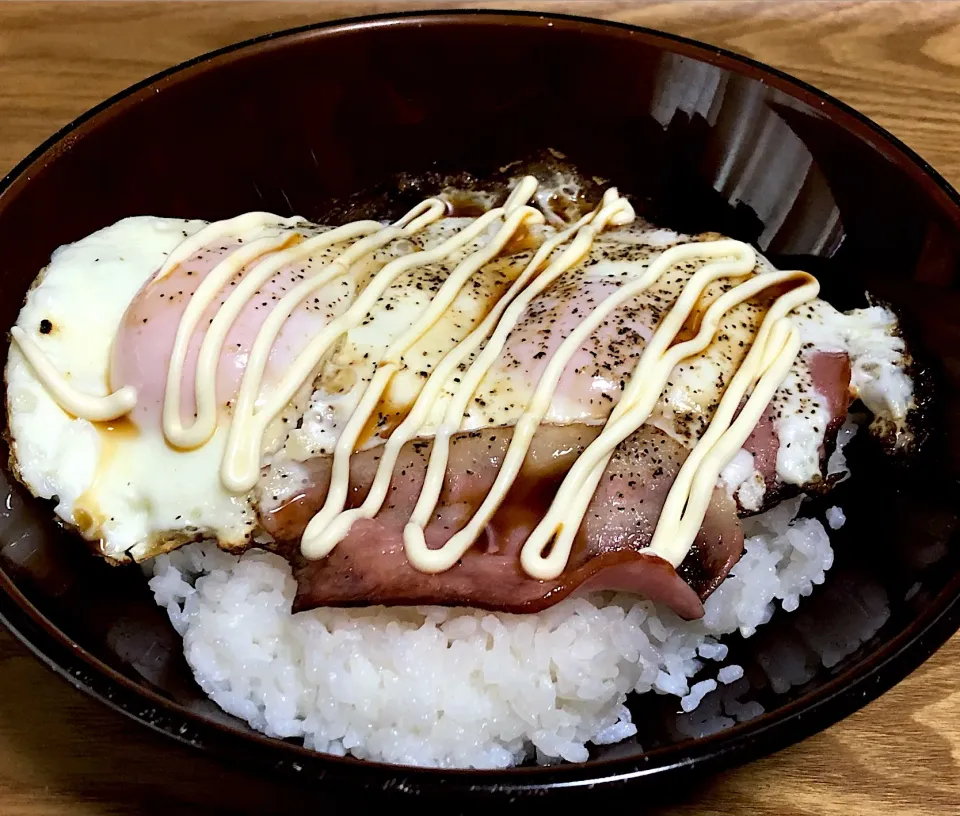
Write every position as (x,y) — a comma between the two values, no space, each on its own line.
(192,436)
(769,359)
(210,350)
(325,536)
(392,361)
(235,227)
(764,368)
(617,211)
(241,465)
(72,400)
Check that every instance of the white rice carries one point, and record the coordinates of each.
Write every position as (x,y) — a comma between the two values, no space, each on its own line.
(458,687)
(835,518)
(729,674)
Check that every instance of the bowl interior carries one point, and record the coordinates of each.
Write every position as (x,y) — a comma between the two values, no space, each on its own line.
(702,141)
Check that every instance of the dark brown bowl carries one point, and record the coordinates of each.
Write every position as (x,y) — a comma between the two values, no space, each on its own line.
(704,139)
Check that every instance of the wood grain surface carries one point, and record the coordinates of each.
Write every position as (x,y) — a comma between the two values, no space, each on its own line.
(898,62)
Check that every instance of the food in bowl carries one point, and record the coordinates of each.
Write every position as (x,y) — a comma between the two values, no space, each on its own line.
(444,490)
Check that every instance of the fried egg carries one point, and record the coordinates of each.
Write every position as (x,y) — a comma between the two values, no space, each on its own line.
(106,319)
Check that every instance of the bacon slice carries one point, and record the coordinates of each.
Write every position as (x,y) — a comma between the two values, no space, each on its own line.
(370,567)
(830,373)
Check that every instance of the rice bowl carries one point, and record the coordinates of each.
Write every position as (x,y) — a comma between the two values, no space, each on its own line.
(842,516)
(270,633)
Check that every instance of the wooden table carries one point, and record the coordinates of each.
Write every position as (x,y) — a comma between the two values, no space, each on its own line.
(898,62)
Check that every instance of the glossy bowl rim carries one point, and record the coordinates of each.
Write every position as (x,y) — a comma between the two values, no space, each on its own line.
(836,699)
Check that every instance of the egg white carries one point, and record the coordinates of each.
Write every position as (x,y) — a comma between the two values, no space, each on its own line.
(129,491)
